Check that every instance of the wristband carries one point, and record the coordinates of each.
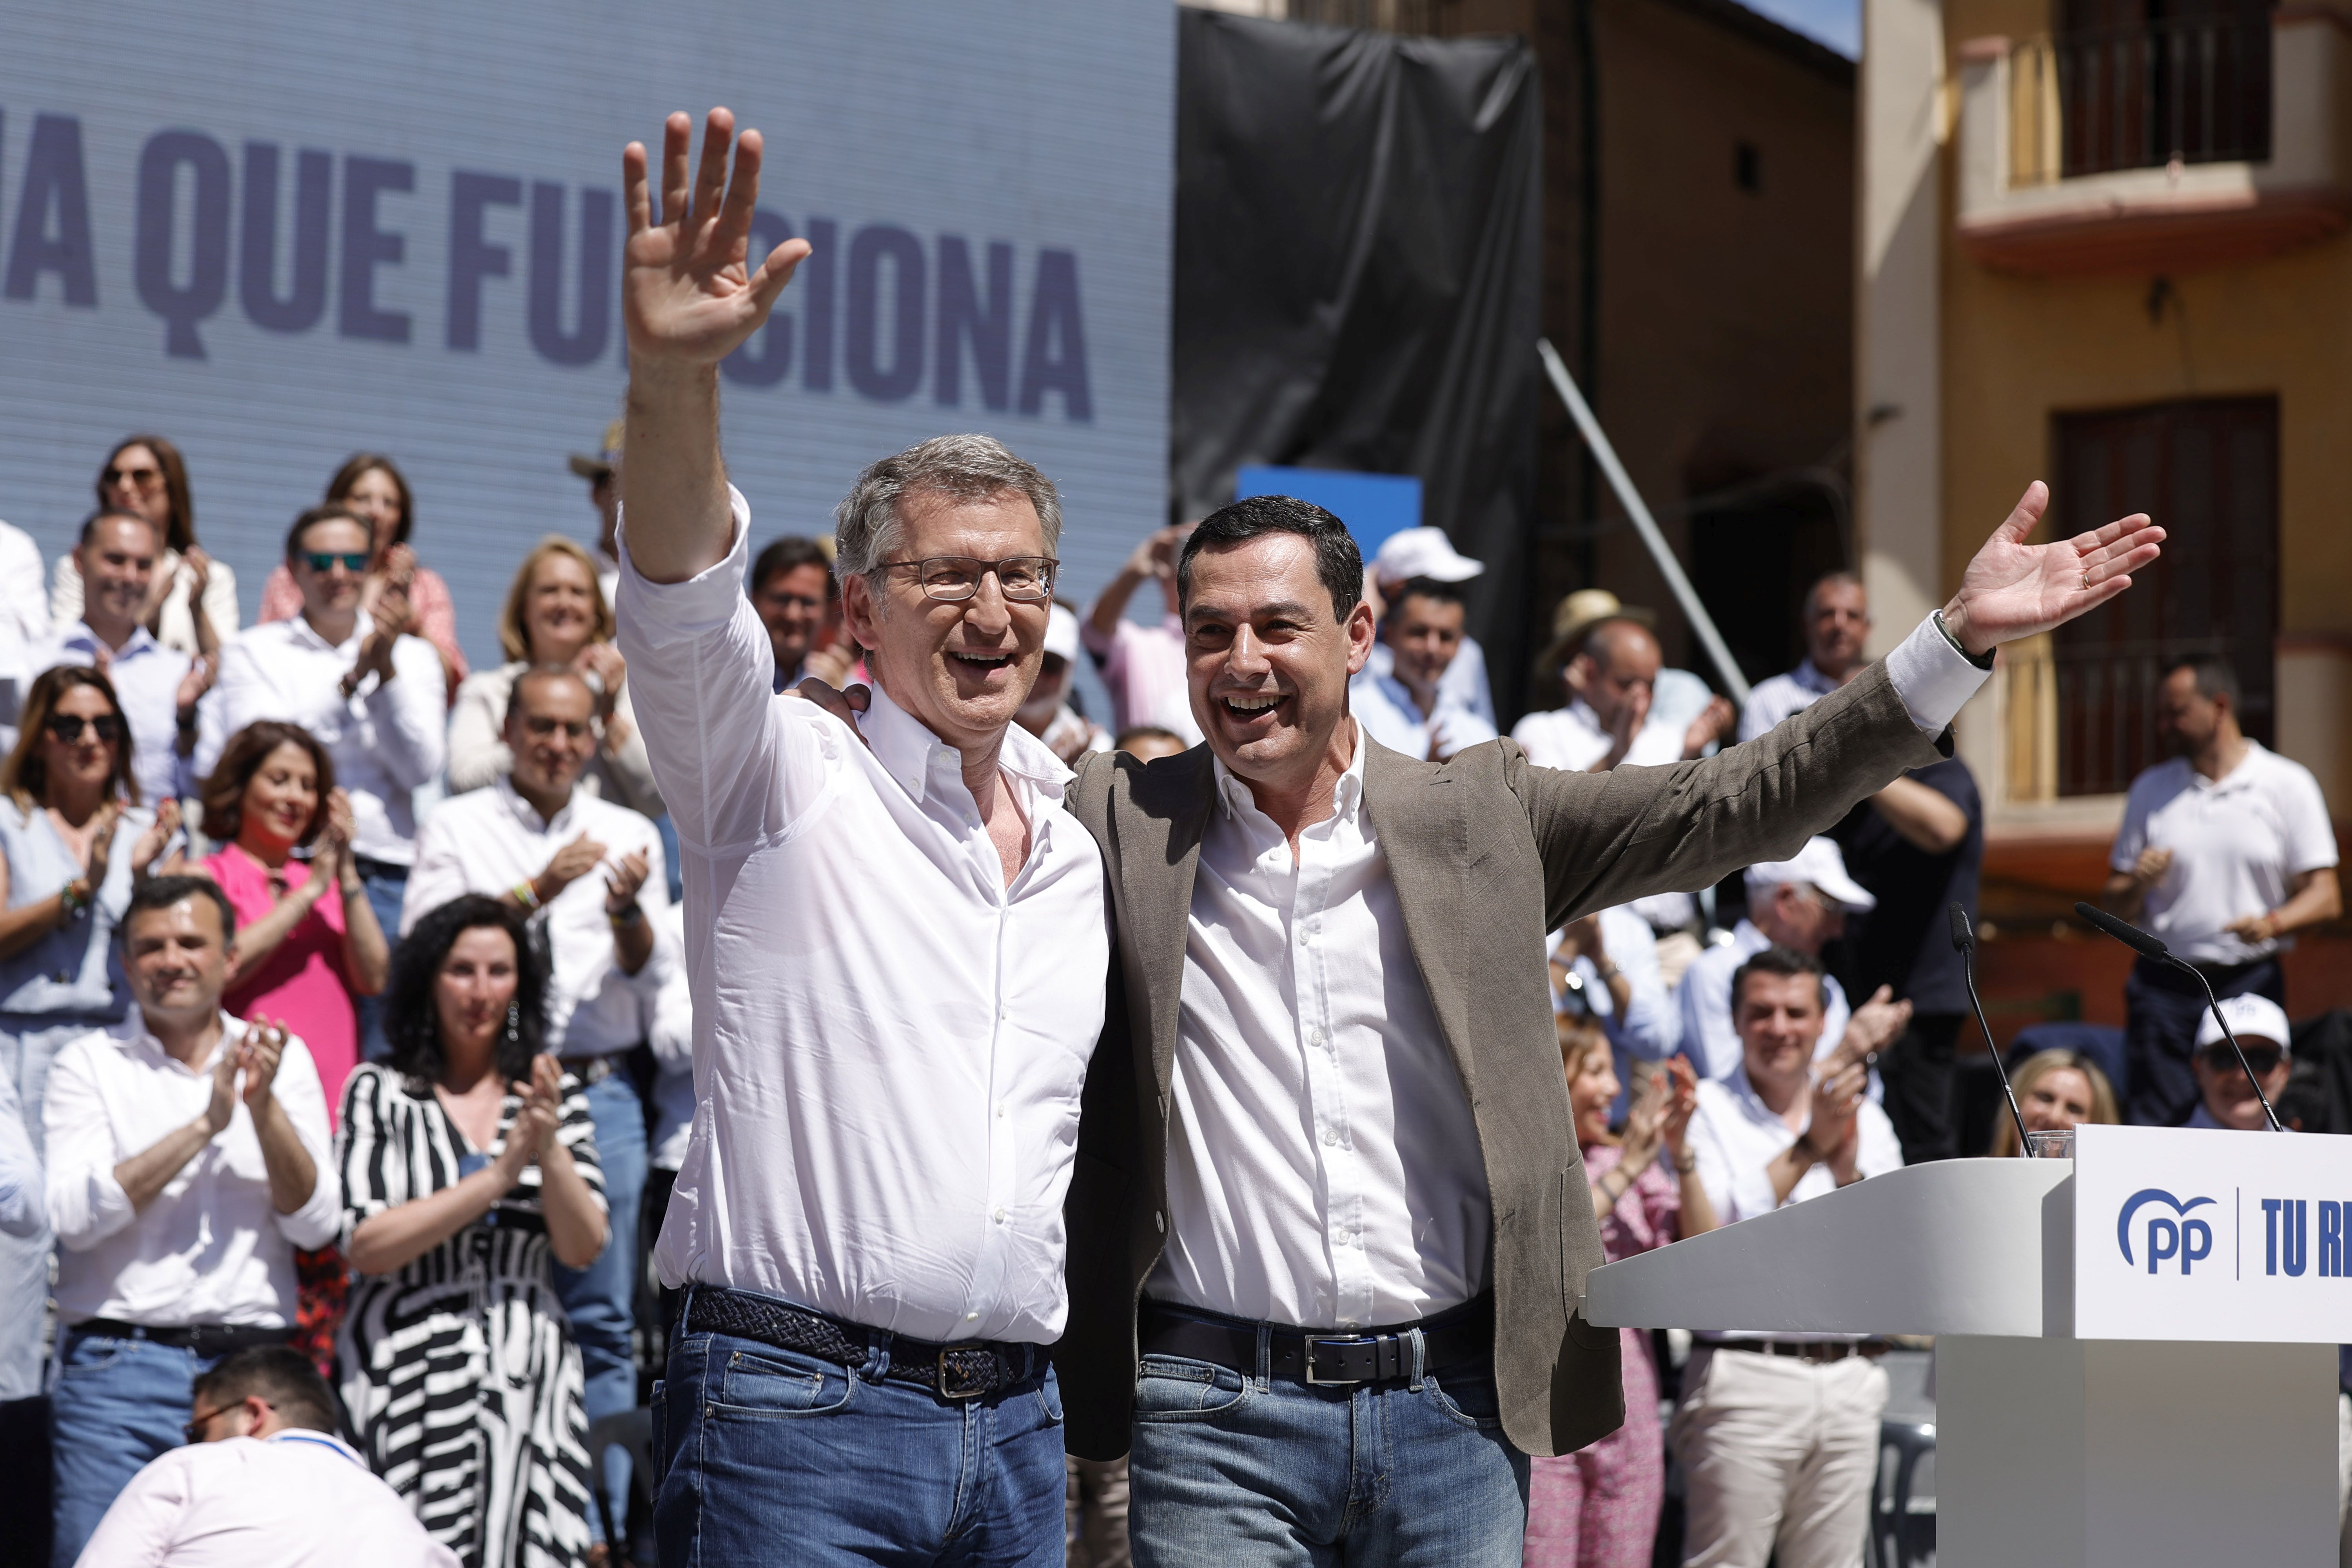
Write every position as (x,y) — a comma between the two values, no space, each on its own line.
(71,901)
(626,916)
(1687,1163)
(527,895)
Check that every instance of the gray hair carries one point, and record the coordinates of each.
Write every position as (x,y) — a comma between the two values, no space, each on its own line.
(868,524)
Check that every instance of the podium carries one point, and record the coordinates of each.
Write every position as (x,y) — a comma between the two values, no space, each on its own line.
(2134,1350)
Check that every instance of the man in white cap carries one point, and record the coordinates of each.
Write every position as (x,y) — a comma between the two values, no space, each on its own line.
(1048,714)
(1412,553)
(2226,1098)
(1801,904)
(1413,708)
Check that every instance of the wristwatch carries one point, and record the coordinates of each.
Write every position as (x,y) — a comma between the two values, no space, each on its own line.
(626,915)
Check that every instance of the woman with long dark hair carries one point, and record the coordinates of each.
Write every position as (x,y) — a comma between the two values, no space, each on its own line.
(192,598)
(469,1170)
(72,838)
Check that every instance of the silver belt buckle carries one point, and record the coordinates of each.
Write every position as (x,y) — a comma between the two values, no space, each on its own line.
(1314,1339)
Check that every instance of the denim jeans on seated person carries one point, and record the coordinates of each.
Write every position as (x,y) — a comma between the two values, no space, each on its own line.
(769,1456)
(1229,1471)
(116,1404)
(602,1299)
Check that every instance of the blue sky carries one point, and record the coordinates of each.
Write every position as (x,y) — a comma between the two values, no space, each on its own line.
(1837,23)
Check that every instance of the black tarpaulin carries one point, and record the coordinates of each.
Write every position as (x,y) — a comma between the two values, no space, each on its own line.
(1358,266)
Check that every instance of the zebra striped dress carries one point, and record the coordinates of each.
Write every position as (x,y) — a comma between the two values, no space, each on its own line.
(460,1380)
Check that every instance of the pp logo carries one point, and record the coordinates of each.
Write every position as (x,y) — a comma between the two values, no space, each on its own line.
(2190,1240)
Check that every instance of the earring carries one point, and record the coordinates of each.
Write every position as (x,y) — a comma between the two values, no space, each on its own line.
(514,1022)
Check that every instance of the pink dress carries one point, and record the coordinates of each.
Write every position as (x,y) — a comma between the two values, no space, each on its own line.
(437,614)
(1598,1507)
(303,981)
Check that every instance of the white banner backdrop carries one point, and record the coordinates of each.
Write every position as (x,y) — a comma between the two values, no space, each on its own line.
(279,232)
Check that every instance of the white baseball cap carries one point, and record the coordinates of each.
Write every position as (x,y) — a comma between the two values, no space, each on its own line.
(1819,867)
(1412,552)
(1062,633)
(2251,1018)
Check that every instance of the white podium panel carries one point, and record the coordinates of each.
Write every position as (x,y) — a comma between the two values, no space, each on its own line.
(2134,1361)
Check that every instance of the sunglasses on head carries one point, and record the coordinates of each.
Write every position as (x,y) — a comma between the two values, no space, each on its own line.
(67,727)
(325,560)
(2264,1059)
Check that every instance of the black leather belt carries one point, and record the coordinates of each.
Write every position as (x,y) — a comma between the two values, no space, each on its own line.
(1377,1355)
(205,1339)
(967,1371)
(591,1069)
(1808,1350)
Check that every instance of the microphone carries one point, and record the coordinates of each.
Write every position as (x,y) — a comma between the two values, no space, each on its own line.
(2146,946)
(1964,943)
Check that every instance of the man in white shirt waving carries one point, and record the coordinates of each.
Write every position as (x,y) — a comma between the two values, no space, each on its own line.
(895,944)
(585,871)
(372,693)
(188,1157)
(1779,1437)
(263,1479)
(2224,850)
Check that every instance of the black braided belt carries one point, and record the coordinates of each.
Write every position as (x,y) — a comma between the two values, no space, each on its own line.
(966,1371)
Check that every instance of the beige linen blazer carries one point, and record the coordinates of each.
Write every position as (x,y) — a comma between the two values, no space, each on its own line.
(1488,853)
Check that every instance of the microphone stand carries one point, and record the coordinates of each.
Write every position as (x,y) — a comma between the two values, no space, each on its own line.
(2148,946)
(1964,943)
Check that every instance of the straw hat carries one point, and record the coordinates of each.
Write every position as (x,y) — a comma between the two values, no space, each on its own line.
(1579,614)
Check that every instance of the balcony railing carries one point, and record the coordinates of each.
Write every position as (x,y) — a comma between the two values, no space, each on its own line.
(2192,91)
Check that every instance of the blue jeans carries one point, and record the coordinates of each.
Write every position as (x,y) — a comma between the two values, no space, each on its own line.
(602,1299)
(386,886)
(1229,1471)
(117,1404)
(768,1455)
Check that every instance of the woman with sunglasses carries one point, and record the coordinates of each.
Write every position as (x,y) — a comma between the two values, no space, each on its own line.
(72,838)
(373,487)
(192,599)
(555,612)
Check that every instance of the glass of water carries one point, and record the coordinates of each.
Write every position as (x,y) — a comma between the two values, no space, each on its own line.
(2055,1145)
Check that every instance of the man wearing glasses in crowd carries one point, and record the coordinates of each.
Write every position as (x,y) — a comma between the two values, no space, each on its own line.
(896,941)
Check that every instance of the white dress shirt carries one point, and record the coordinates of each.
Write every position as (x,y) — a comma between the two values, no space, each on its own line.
(385,740)
(670,1035)
(1323,1166)
(889,1042)
(1385,706)
(1777,697)
(212,1247)
(1736,1136)
(487,840)
(22,1205)
(2237,842)
(1708,1036)
(24,617)
(146,677)
(297,1499)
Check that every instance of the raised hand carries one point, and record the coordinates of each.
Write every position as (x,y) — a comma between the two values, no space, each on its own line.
(150,843)
(688,292)
(624,879)
(1678,1088)
(2014,590)
(540,1116)
(1714,721)
(198,680)
(263,1048)
(222,1104)
(571,862)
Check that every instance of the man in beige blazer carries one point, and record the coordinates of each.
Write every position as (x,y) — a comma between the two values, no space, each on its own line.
(1328,1228)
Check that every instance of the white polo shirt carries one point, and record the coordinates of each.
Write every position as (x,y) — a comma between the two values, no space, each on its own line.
(2236,842)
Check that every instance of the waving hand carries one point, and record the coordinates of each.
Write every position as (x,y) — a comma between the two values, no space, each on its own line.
(2014,590)
(687,293)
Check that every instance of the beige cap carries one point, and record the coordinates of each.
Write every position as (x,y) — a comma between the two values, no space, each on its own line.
(600,467)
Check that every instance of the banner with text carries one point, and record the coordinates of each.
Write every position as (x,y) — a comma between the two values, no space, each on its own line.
(278,234)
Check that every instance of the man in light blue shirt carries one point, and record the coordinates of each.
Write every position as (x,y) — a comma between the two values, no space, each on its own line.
(1411,708)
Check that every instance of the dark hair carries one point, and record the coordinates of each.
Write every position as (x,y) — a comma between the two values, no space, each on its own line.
(541,672)
(359,463)
(1780,961)
(163,892)
(790,554)
(104,513)
(224,791)
(334,511)
(1427,588)
(280,1375)
(410,1021)
(181,530)
(1339,565)
(1135,733)
(2216,677)
(23,777)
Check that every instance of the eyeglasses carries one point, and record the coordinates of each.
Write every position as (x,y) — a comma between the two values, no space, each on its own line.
(1023,579)
(144,479)
(195,1430)
(325,561)
(68,726)
(2264,1059)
